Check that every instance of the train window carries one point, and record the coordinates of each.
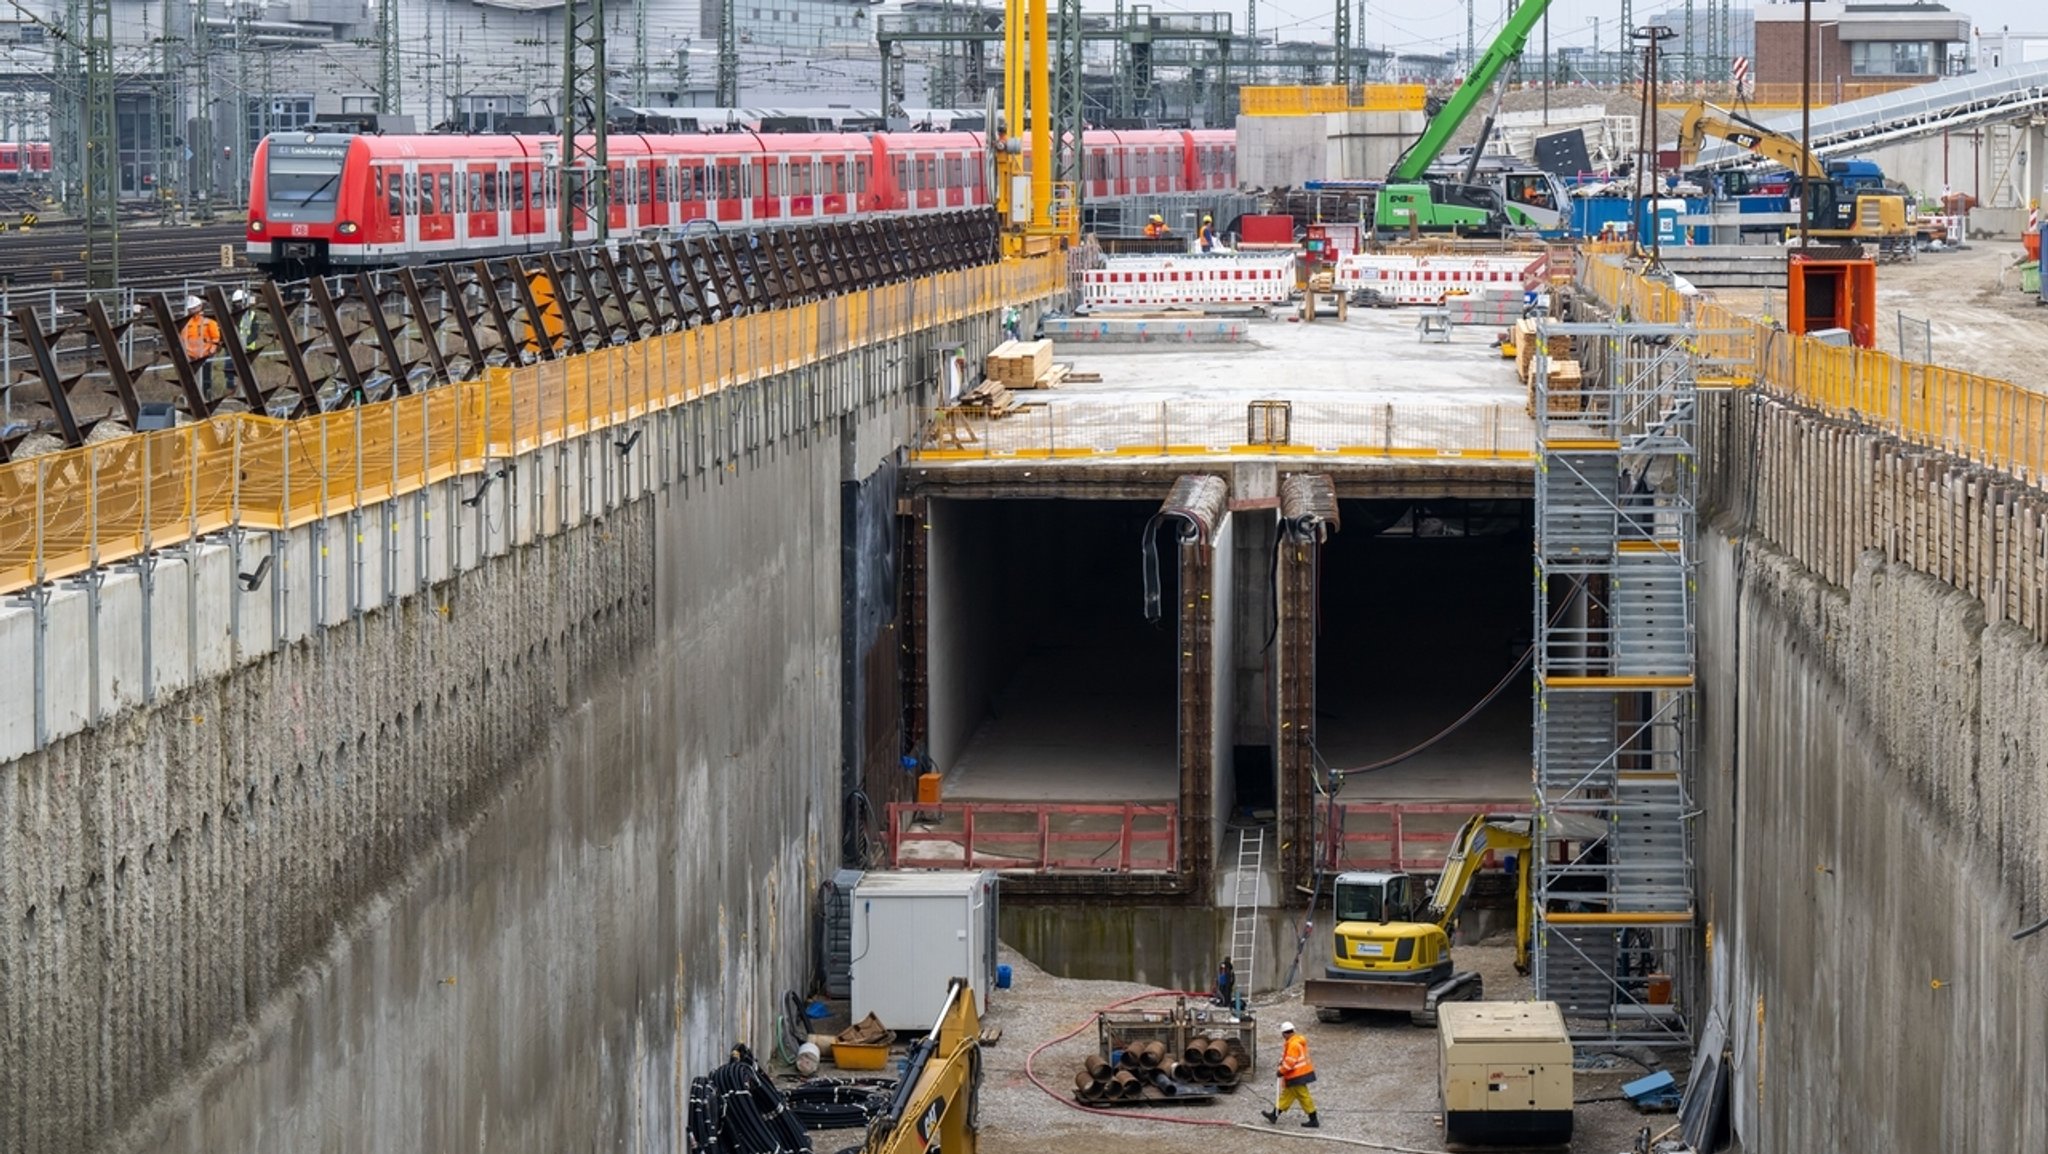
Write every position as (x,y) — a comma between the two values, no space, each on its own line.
(778,181)
(800,178)
(448,192)
(412,194)
(903,175)
(518,190)
(476,192)
(646,183)
(860,175)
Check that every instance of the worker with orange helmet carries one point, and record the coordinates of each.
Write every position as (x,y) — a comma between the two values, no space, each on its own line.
(1296,1073)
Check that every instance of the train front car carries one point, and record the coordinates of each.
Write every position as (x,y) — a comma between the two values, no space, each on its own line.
(297,183)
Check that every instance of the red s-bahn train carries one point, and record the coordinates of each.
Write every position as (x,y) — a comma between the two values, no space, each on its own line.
(28,160)
(319,201)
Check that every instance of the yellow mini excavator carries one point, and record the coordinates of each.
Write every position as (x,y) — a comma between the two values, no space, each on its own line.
(1391,945)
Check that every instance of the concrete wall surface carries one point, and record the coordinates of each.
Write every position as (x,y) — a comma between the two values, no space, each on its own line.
(499,862)
(1874,796)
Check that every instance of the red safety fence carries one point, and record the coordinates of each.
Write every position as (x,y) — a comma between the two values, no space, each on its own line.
(1389,835)
(1036,837)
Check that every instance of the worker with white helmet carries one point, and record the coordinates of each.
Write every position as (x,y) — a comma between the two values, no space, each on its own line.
(200,335)
(245,315)
(1296,1073)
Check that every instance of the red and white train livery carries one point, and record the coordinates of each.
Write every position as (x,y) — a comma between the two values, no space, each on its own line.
(328,200)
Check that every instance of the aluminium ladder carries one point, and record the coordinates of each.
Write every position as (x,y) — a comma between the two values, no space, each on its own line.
(1244,908)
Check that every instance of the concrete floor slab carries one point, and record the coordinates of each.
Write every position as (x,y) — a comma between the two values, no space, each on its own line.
(1363,386)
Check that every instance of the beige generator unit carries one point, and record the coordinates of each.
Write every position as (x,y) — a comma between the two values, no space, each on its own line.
(1506,1073)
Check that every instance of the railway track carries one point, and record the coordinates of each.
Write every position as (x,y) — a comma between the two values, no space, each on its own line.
(151,254)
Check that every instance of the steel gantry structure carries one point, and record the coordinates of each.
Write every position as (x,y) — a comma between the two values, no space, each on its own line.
(1137,29)
(585,170)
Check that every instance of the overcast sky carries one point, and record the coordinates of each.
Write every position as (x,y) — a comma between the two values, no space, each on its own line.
(1439,26)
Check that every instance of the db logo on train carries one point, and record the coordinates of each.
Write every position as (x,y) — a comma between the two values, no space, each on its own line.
(928,1124)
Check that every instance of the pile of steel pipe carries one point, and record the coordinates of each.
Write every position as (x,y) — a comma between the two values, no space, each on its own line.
(1099,1081)
(1215,1061)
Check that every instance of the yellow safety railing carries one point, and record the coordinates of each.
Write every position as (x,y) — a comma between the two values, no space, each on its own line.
(1305,99)
(1992,422)
(1362,429)
(66,513)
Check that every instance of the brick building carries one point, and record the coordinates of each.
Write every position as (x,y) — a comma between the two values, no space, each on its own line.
(1862,43)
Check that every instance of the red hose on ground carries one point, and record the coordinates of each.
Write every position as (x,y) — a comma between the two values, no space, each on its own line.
(1073,1105)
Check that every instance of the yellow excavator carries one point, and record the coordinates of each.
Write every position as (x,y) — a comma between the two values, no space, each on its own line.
(1870,215)
(1391,944)
(937,1100)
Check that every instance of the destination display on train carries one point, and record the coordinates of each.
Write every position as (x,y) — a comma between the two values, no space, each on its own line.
(308,151)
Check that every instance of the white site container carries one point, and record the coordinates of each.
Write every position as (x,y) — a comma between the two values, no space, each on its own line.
(916,930)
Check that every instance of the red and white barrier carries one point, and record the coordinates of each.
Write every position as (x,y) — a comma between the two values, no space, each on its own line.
(1427,280)
(1193,280)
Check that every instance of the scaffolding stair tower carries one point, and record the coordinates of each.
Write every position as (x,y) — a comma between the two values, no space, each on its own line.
(1615,695)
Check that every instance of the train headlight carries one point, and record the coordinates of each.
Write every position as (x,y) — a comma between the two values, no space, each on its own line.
(255,226)
(347,228)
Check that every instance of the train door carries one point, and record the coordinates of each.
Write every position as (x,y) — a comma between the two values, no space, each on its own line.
(730,189)
(384,223)
(829,181)
(803,175)
(437,207)
(755,175)
(620,196)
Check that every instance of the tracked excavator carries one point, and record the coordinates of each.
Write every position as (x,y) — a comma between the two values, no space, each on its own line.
(1391,943)
(1874,216)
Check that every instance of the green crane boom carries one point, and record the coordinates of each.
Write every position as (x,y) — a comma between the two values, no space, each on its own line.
(1499,54)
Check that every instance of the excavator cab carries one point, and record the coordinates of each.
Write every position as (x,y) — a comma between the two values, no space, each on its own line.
(1376,897)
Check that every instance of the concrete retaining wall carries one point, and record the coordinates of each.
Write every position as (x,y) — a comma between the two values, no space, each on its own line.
(1874,790)
(491,841)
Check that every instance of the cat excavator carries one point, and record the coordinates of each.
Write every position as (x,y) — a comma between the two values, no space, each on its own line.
(1391,944)
(1868,214)
(937,1101)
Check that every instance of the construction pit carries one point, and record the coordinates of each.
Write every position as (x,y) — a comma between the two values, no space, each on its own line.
(1112,703)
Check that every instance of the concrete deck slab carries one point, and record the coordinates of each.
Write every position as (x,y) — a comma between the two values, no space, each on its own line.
(1364,386)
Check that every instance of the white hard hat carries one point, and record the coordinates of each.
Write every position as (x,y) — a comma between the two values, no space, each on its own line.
(1287,1027)
(191,304)
(239,296)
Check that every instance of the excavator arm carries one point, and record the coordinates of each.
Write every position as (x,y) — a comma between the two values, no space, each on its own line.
(1703,120)
(935,1104)
(1484,832)
(1499,54)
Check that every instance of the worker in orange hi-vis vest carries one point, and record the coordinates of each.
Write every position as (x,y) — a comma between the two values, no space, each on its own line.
(1296,1073)
(201,338)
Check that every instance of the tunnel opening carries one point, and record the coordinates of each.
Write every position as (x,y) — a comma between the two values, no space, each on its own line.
(1423,610)
(1046,682)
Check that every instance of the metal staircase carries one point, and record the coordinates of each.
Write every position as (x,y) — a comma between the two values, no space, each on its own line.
(1615,524)
(1244,906)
